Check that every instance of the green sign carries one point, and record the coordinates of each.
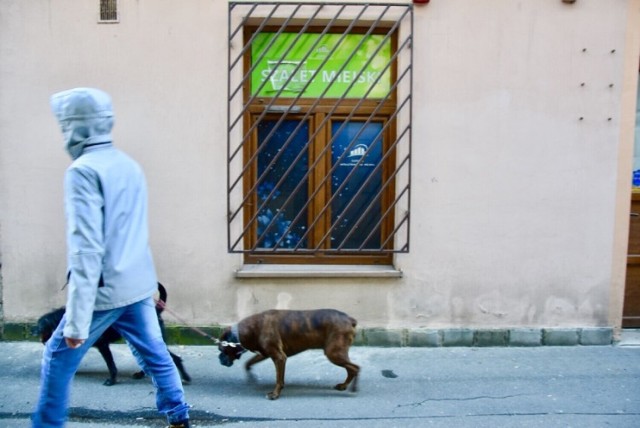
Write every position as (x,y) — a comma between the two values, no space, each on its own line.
(310,64)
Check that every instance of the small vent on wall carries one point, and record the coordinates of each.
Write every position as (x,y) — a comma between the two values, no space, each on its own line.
(108,11)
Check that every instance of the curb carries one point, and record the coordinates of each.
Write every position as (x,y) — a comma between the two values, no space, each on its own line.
(381,337)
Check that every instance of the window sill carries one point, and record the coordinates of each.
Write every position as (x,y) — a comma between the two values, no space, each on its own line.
(317,271)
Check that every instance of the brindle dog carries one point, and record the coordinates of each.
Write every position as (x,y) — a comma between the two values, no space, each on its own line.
(278,334)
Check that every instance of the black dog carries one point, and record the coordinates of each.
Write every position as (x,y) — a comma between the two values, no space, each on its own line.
(48,323)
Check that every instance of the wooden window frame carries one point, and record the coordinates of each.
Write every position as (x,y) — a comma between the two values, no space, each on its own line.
(338,109)
(391,106)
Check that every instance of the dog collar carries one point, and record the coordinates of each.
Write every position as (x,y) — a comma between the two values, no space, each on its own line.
(234,340)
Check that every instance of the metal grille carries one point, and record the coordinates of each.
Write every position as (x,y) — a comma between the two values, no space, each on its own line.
(108,10)
(319,169)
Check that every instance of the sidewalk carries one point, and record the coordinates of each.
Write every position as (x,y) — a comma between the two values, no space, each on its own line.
(574,386)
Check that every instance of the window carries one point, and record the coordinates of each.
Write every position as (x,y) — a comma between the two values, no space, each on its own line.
(319,132)
(108,10)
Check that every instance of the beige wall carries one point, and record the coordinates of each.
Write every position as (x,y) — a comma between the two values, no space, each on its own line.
(519,208)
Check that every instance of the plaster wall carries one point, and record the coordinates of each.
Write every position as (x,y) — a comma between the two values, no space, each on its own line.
(522,148)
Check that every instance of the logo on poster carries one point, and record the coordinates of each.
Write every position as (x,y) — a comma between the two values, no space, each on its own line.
(355,155)
(358,151)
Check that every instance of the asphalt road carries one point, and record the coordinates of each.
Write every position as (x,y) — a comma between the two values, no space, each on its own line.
(596,386)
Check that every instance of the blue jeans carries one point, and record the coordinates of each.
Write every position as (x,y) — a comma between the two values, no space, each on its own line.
(138,324)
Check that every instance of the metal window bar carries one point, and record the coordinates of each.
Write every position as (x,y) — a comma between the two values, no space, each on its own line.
(380,164)
(378,195)
(400,221)
(353,140)
(285,204)
(290,139)
(265,112)
(250,223)
(108,10)
(273,100)
(268,107)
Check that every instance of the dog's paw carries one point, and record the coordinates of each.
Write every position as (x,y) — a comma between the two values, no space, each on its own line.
(273,396)
(186,379)
(109,382)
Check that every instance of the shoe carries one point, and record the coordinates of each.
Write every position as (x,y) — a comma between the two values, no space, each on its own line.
(180,424)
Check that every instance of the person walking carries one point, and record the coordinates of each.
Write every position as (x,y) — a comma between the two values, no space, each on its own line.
(112,275)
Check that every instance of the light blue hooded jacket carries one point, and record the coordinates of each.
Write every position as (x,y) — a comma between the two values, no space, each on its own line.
(109,259)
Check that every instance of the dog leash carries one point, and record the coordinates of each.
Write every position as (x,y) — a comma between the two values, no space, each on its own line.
(163,305)
(215,340)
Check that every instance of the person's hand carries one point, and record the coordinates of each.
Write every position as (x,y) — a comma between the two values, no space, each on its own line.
(73,343)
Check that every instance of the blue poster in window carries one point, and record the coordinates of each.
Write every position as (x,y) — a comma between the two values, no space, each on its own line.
(282,183)
(356,185)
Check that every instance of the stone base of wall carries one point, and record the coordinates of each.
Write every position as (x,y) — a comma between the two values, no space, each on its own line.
(489,337)
(177,335)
